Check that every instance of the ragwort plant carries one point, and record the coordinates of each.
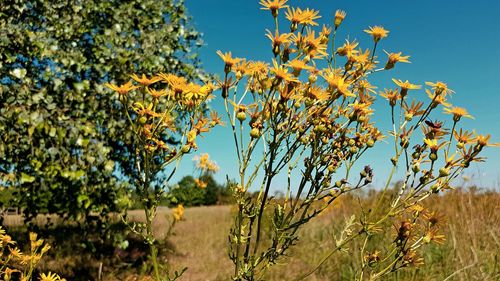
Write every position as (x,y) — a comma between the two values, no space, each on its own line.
(166,115)
(16,265)
(310,111)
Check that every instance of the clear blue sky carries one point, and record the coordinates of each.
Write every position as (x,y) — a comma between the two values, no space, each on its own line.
(457,42)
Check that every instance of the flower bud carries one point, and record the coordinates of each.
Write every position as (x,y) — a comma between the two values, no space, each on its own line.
(353,150)
(433,156)
(339,18)
(255,133)
(444,172)
(415,168)
(185,148)
(435,188)
(370,143)
(241,116)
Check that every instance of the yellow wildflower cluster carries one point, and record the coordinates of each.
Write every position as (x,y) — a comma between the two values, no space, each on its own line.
(311,108)
(205,167)
(154,112)
(204,163)
(16,265)
(178,212)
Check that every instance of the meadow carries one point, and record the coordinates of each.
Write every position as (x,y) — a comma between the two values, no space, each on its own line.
(470,252)
(336,166)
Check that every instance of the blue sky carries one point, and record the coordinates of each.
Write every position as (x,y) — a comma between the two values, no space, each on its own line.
(457,42)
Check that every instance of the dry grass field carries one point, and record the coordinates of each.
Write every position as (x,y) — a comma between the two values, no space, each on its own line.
(471,250)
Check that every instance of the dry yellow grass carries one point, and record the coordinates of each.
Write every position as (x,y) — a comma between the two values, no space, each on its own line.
(471,250)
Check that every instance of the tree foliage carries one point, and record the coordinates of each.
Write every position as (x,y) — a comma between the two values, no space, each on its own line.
(62,145)
(187,193)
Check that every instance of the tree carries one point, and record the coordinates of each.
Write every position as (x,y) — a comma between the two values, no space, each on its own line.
(188,193)
(61,146)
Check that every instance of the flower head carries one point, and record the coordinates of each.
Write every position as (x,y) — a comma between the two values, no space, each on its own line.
(339,18)
(377,32)
(298,16)
(440,88)
(433,236)
(391,95)
(228,60)
(143,80)
(298,65)
(123,89)
(393,58)
(433,144)
(49,277)
(458,112)
(278,40)
(281,72)
(483,140)
(178,212)
(273,5)
(405,86)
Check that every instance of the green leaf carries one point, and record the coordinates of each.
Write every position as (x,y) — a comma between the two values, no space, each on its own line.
(25,178)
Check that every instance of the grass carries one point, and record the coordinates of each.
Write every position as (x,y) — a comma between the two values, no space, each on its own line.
(471,250)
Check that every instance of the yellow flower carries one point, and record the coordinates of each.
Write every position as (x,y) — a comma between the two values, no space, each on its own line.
(314,46)
(348,49)
(145,110)
(281,73)
(339,18)
(405,86)
(433,144)
(458,112)
(377,32)
(297,65)
(201,184)
(49,277)
(337,82)
(273,5)
(6,240)
(433,236)
(178,212)
(440,88)
(297,16)
(8,273)
(191,138)
(361,108)
(258,68)
(463,137)
(325,33)
(365,87)
(414,109)
(394,58)
(143,80)
(123,89)
(228,60)
(157,93)
(437,99)
(483,140)
(361,57)
(278,40)
(16,253)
